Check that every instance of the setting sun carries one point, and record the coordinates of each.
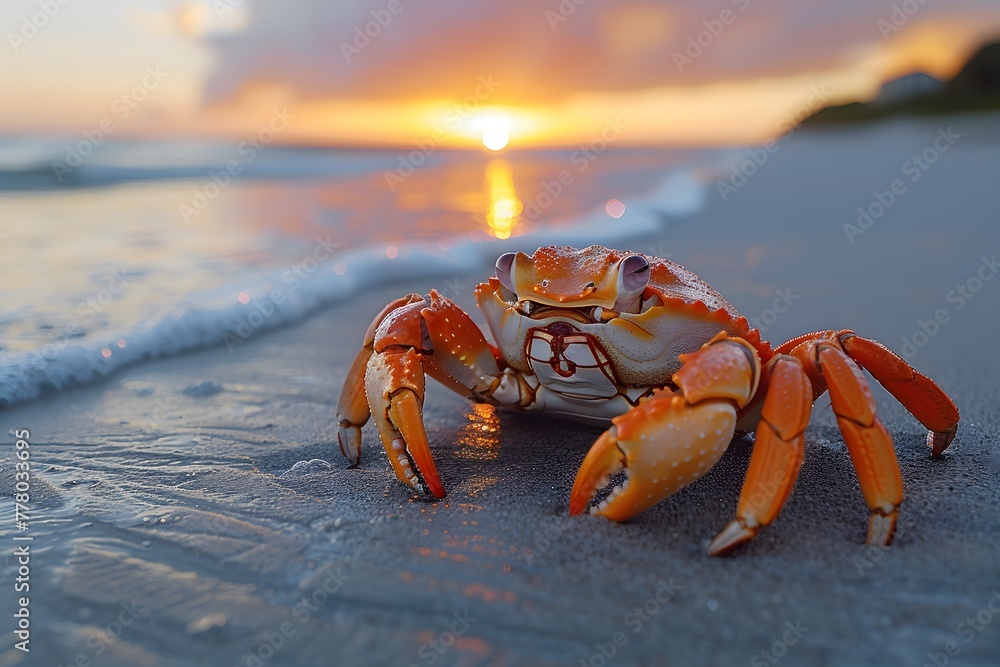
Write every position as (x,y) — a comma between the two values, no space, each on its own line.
(495,134)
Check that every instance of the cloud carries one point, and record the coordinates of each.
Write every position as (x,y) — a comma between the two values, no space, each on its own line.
(563,67)
(540,50)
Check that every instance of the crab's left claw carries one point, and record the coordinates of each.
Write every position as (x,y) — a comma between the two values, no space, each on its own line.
(671,438)
(663,445)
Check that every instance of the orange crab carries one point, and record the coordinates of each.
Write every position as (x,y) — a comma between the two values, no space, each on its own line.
(602,335)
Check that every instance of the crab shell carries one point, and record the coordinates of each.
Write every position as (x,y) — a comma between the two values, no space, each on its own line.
(678,310)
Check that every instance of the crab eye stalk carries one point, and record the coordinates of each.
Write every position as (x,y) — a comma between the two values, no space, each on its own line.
(505,270)
(633,276)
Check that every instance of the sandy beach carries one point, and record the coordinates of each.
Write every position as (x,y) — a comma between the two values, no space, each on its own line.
(196,510)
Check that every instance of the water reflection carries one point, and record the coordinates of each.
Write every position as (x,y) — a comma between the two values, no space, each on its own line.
(504,211)
(479,440)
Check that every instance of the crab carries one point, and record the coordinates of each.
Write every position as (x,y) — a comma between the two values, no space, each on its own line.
(602,336)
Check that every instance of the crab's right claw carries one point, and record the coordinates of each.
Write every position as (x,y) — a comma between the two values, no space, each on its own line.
(663,444)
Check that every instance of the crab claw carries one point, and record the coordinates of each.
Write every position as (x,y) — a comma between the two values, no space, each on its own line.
(663,444)
(395,389)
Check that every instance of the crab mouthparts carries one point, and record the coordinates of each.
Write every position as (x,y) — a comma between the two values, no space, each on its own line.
(582,314)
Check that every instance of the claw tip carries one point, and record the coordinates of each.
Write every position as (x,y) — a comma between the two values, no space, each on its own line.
(733,535)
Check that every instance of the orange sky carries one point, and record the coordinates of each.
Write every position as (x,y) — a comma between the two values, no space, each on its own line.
(442,72)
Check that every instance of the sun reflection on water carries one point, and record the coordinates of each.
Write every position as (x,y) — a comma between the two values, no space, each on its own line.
(479,440)
(505,208)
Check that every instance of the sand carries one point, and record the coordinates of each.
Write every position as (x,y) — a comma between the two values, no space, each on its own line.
(184,523)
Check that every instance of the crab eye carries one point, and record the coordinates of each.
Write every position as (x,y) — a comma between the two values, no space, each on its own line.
(635,273)
(633,276)
(597,313)
(505,270)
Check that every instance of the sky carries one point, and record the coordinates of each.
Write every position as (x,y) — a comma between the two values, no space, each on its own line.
(401,72)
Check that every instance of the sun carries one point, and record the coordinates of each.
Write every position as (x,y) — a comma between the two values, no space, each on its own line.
(495,134)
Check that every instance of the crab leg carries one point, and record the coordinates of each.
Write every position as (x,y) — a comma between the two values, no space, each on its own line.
(831,360)
(671,438)
(918,393)
(778,449)
(869,444)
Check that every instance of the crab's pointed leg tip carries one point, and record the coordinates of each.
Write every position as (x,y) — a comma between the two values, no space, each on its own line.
(939,440)
(881,529)
(349,439)
(733,535)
